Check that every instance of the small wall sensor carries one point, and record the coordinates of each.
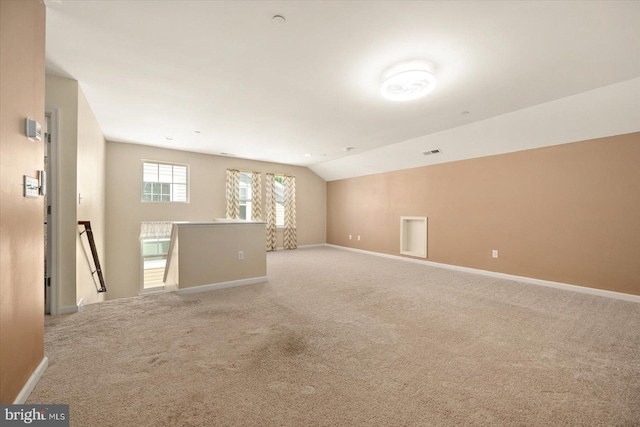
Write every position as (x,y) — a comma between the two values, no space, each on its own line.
(33,129)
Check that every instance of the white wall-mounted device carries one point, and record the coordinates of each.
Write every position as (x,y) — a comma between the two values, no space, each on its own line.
(42,183)
(30,186)
(33,129)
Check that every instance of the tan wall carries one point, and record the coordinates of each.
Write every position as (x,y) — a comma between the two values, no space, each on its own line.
(125,211)
(209,254)
(62,94)
(91,185)
(22,43)
(567,213)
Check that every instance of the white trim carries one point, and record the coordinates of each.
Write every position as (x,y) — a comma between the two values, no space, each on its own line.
(52,184)
(68,309)
(151,291)
(80,305)
(530,280)
(221,285)
(281,248)
(32,382)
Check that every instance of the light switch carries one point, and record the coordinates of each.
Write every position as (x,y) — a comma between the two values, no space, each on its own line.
(31,186)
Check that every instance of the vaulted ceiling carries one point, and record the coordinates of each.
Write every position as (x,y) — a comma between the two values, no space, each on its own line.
(223,77)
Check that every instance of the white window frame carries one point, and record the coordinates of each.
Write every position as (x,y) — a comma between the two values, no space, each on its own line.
(159,163)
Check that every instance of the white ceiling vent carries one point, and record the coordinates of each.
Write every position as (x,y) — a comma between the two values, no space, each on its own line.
(430,152)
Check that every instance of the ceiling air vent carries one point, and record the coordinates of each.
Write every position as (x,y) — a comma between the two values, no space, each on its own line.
(430,152)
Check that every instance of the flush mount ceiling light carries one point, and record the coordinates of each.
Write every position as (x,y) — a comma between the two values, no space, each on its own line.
(408,85)
(278,20)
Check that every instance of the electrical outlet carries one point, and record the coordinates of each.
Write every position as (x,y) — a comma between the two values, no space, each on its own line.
(349,236)
(358,238)
(240,255)
(494,253)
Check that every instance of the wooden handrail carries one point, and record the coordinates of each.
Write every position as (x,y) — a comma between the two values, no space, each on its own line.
(94,252)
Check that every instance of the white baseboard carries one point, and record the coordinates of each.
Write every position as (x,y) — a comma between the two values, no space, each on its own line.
(31,382)
(221,285)
(68,309)
(80,305)
(315,245)
(530,280)
(151,291)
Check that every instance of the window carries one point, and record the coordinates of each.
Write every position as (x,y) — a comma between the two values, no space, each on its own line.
(164,182)
(279,192)
(154,258)
(245,195)
(155,239)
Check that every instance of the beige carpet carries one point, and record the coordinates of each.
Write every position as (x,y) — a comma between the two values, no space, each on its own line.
(338,338)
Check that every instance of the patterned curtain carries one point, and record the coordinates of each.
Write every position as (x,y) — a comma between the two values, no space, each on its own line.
(155,229)
(233,189)
(256,196)
(290,240)
(271,213)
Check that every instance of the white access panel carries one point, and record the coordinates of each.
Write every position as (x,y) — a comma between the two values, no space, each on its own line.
(413,236)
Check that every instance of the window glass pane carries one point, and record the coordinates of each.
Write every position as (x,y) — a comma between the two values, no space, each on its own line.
(279,215)
(245,186)
(165,198)
(179,193)
(279,196)
(164,246)
(245,178)
(150,172)
(165,173)
(150,247)
(248,214)
(243,211)
(180,174)
(146,197)
(279,190)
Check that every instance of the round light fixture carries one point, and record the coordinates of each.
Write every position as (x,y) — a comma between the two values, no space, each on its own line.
(278,20)
(407,85)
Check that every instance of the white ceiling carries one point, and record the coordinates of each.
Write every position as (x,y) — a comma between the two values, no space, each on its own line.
(153,70)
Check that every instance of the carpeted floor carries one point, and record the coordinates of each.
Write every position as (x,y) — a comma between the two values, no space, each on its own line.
(337,338)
